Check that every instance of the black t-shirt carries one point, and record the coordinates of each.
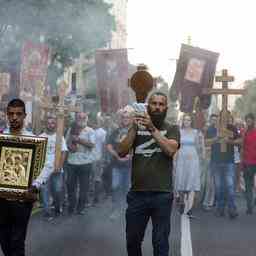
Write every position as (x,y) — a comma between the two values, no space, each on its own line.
(114,138)
(152,168)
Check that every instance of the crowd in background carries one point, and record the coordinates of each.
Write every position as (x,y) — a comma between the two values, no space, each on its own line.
(93,172)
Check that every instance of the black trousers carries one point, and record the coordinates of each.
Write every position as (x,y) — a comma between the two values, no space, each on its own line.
(14,218)
(78,175)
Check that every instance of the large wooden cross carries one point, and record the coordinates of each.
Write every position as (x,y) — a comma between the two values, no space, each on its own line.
(61,110)
(223,132)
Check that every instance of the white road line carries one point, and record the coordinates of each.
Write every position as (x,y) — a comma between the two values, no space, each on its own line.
(186,243)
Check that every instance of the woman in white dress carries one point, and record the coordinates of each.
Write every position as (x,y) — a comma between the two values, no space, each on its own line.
(187,176)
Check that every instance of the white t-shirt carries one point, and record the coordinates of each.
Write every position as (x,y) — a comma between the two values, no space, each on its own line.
(100,136)
(83,155)
(50,156)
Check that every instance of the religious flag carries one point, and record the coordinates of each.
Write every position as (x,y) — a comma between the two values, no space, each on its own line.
(112,79)
(34,64)
(195,71)
(4,84)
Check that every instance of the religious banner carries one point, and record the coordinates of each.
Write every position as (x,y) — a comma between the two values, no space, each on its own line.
(195,71)
(34,65)
(34,62)
(4,84)
(112,79)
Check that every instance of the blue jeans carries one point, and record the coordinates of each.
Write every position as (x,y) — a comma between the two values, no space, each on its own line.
(224,178)
(120,183)
(141,207)
(54,187)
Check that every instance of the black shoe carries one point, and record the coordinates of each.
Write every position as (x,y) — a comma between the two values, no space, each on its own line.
(47,217)
(57,213)
(249,211)
(181,208)
(233,214)
(190,215)
(81,212)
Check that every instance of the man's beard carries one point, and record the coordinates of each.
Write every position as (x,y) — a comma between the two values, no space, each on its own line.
(157,118)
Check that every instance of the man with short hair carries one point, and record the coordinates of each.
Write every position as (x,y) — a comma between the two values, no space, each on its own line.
(150,196)
(249,159)
(223,170)
(120,165)
(54,184)
(15,214)
(81,143)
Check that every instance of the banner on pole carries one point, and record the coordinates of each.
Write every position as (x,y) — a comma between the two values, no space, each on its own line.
(195,71)
(112,79)
(34,64)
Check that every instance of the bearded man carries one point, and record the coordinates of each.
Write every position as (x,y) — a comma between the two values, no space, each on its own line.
(150,196)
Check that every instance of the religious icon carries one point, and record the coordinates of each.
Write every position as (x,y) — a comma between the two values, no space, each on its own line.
(21,160)
(195,70)
(15,164)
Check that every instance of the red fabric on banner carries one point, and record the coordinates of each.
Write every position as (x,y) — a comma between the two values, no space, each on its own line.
(34,63)
(112,79)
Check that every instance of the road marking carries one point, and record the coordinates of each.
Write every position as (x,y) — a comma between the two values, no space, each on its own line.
(186,242)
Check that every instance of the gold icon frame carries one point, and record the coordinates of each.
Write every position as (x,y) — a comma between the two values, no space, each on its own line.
(21,161)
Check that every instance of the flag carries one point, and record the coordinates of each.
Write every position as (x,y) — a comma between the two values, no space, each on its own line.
(112,79)
(34,65)
(195,71)
(4,84)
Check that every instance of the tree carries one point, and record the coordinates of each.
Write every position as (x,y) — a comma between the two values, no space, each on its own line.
(69,27)
(247,102)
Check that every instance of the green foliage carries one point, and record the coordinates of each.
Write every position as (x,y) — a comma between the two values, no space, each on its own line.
(247,102)
(69,27)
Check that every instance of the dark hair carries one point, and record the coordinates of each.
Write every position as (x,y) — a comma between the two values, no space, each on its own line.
(17,103)
(250,115)
(158,93)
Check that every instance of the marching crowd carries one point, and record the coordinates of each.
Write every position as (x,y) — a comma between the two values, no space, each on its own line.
(97,162)
(91,169)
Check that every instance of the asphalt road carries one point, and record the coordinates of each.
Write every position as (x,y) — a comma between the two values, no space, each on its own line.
(95,234)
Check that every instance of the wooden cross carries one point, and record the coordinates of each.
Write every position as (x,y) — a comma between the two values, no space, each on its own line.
(223,132)
(61,111)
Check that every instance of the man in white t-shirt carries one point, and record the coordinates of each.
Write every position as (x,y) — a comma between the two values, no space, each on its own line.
(54,184)
(81,143)
(15,214)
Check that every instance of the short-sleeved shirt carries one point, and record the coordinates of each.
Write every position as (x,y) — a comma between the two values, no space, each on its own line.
(151,167)
(100,137)
(249,147)
(83,155)
(50,151)
(216,155)
(114,138)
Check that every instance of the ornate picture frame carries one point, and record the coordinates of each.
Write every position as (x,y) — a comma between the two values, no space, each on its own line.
(21,161)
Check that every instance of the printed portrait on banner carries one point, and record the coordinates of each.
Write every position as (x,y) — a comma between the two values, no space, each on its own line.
(195,70)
